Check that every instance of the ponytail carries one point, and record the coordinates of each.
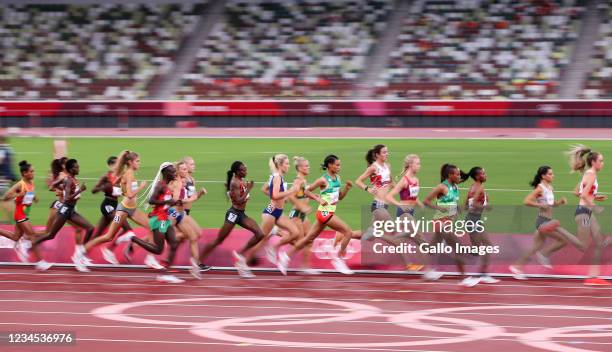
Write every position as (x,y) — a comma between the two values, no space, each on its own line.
(276,161)
(446,170)
(122,161)
(371,154)
(408,160)
(581,157)
(474,172)
(537,179)
(330,159)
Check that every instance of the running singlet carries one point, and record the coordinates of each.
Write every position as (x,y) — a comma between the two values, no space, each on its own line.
(448,201)
(482,199)
(190,188)
(283,185)
(75,188)
(161,210)
(134,188)
(301,194)
(114,191)
(592,191)
(547,197)
(24,201)
(411,191)
(381,177)
(331,194)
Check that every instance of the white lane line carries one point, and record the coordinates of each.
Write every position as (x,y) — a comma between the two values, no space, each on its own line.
(315,289)
(183,295)
(182,316)
(299,332)
(310,309)
(335,280)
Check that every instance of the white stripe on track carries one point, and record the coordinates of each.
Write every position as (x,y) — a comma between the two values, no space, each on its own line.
(310,309)
(191,295)
(299,332)
(297,319)
(241,287)
(409,280)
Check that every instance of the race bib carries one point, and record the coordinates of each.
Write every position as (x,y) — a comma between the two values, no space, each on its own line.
(117,191)
(28,198)
(414,191)
(191,191)
(231,217)
(134,186)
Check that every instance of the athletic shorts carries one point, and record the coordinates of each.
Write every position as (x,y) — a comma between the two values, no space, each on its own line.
(541,221)
(22,214)
(108,206)
(161,225)
(583,210)
(271,210)
(324,216)
(235,216)
(378,205)
(56,204)
(176,215)
(297,214)
(66,211)
(401,212)
(129,211)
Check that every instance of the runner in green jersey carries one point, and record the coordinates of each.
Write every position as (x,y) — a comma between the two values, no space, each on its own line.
(446,195)
(332,192)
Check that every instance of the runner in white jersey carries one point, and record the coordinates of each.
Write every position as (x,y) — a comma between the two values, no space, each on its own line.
(543,198)
(589,163)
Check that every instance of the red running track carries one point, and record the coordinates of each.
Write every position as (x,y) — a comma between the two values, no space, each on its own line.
(122,310)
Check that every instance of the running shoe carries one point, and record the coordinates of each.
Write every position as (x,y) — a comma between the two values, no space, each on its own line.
(171,279)
(194,269)
(543,260)
(271,254)
(470,281)
(240,264)
(488,279)
(126,237)
(152,263)
(283,262)
(517,273)
(78,263)
(43,265)
(22,253)
(432,275)
(341,266)
(109,256)
(309,271)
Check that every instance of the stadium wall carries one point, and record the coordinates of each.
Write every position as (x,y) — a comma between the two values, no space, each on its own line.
(573,114)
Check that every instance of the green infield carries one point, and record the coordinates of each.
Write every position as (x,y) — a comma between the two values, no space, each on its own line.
(510,165)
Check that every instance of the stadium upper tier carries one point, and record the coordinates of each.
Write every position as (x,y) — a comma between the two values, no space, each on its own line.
(250,49)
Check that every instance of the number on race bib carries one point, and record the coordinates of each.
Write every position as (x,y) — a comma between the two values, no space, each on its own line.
(231,217)
(63,210)
(117,219)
